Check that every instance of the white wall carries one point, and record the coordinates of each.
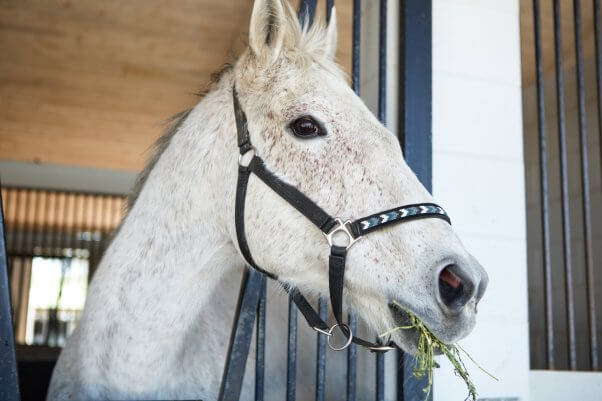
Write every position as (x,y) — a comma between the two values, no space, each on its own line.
(563,386)
(478,176)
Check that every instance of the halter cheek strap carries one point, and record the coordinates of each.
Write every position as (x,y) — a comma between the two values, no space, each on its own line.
(327,224)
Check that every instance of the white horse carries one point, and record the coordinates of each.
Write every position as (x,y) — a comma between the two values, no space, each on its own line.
(159,309)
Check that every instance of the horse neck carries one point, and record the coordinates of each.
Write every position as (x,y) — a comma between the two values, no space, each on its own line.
(175,245)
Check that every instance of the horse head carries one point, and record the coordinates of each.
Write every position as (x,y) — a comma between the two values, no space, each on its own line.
(316,135)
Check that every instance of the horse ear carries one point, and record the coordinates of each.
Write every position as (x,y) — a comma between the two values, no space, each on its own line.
(268,24)
(331,35)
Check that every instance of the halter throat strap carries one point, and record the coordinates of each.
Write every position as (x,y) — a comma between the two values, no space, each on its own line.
(327,224)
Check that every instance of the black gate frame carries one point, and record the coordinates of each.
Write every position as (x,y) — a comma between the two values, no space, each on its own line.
(9,380)
(416,138)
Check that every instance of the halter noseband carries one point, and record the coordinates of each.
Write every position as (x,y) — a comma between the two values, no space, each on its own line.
(329,226)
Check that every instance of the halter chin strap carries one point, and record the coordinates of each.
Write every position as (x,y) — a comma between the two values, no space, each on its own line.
(329,226)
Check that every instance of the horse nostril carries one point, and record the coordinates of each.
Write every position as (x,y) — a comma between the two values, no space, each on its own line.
(454,291)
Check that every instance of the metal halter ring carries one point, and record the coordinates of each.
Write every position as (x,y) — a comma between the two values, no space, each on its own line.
(342,227)
(241,155)
(328,334)
(349,337)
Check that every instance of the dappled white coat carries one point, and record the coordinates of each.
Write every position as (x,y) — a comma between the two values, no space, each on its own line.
(159,309)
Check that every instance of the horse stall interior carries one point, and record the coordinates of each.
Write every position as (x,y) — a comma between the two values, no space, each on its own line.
(90,72)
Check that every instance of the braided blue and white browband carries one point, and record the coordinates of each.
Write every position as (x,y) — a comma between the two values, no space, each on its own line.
(369,223)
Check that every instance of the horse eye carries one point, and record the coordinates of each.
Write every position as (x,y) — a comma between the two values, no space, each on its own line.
(307,127)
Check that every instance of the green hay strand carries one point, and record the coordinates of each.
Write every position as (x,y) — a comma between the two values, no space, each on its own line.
(425,355)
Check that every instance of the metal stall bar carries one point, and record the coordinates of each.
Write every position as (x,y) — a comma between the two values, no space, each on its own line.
(544,191)
(382,63)
(242,331)
(355,84)
(321,358)
(23,199)
(260,343)
(352,361)
(587,227)
(382,116)
(564,179)
(598,42)
(31,220)
(291,352)
(9,380)
(415,133)
(50,217)
(307,12)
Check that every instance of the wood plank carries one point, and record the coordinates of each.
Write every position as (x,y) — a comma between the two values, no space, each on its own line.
(89,83)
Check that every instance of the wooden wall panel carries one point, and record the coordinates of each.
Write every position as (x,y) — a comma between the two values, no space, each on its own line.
(89,83)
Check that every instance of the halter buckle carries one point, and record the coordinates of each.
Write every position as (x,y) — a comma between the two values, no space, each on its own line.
(344,227)
(381,348)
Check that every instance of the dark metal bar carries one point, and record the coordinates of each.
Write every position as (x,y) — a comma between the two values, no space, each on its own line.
(564,185)
(382,64)
(586,197)
(88,230)
(242,332)
(85,229)
(355,84)
(291,366)
(321,359)
(9,380)
(109,218)
(79,227)
(410,388)
(43,224)
(31,225)
(357,25)
(598,42)
(61,237)
(99,210)
(329,6)
(415,102)
(260,343)
(51,210)
(382,116)
(544,191)
(23,226)
(307,12)
(380,376)
(11,212)
(416,67)
(352,361)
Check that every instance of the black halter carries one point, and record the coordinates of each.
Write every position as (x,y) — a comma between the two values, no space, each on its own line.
(328,225)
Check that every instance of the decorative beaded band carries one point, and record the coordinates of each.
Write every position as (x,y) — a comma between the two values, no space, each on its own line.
(398,214)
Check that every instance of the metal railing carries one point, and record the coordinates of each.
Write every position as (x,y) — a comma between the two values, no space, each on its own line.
(562,242)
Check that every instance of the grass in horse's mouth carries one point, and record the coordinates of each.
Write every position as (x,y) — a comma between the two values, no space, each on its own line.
(428,346)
